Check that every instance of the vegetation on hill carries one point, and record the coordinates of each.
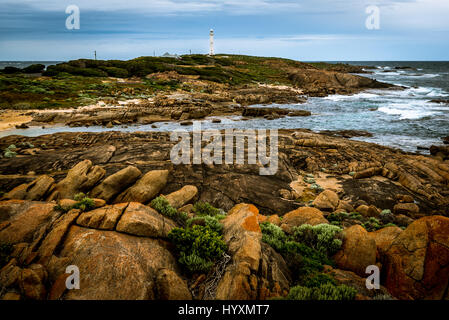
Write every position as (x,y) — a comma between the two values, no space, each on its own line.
(84,81)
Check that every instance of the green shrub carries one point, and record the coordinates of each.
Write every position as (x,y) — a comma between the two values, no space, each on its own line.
(326,291)
(304,261)
(325,238)
(301,259)
(5,251)
(198,247)
(161,205)
(79,196)
(274,236)
(34,68)
(10,152)
(83,203)
(115,72)
(372,224)
(355,216)
(194,263)
(319,279)
(11,70)
(205,209)
(389,225)
(338,216)
(212,222)
(386,216)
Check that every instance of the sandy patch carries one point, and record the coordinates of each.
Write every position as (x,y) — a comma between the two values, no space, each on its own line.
(326,181)
(10,118)
(279,87)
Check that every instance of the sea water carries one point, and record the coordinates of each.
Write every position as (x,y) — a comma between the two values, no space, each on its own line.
(404,119)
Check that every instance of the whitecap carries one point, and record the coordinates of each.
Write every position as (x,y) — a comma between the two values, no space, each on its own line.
(418,109)
(361,95)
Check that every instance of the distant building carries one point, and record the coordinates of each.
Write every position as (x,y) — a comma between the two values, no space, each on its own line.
(168,55)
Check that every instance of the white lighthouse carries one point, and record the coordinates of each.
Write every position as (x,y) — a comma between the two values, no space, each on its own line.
(211,42)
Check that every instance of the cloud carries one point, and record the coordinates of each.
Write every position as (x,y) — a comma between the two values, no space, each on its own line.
(161,6)
(128,28)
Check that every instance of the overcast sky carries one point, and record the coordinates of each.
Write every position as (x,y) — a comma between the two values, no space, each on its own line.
(299,29)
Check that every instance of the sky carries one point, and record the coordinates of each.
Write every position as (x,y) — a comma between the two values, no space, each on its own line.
(306,30)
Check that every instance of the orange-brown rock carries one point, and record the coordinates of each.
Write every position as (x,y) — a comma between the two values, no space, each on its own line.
(326,200)
(146,188)
(10,274)
(66,204)
(405,198)
(11,296)
(81,178)
(35,190)
(57,232)
(274,219)
(116,183)
(417,263)
(345,206)
(59,287)
(179,198)
(113,266)
(31,282)
(384,238)
(171,287)
(408,209)
(141,220)
(358,250)
(242,279)
(26,220)
(104,218)
(300,216)
(351,279)
(367,211)
(98,203)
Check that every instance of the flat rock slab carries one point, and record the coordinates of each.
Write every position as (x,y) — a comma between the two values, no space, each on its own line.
(141,220)
(26,218)
(104,218)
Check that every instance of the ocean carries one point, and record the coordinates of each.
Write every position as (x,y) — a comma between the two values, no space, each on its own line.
(405,119)
(24,64)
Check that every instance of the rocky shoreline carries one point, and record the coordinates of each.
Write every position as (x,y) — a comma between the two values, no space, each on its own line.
(139,226)
(384,200)
(181,97)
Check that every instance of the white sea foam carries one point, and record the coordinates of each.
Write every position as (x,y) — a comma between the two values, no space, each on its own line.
(416,109)
(425,75)
(361,95)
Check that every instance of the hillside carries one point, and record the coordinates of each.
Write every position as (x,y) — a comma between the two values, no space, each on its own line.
(83,82)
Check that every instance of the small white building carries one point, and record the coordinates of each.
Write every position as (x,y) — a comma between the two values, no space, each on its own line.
(168,55)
